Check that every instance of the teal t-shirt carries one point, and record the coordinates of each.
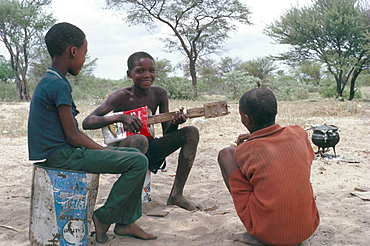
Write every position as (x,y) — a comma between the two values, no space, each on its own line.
(45,132)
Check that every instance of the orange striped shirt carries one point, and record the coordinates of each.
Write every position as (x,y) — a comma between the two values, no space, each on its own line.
(272,192)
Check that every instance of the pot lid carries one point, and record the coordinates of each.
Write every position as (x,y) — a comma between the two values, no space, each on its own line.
(326,127)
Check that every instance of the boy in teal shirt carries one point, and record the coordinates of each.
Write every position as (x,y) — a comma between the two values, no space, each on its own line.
(53,134)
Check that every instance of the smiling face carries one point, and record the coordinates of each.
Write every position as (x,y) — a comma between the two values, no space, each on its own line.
(79,57)
(143,73)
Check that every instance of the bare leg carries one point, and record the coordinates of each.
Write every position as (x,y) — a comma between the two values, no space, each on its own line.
(137,141)
(100,230)
(185,163)
(187,139)
(227,164)
(247,239)
(132,230)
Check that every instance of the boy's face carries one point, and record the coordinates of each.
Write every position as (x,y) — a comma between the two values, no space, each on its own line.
(143,73)
(79,55)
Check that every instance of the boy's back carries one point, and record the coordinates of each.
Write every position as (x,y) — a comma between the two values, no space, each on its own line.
(277,162)
(268,175)
(45,132)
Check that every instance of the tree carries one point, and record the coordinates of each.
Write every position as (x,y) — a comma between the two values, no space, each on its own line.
(6,72)
(199,27)
(309,72)
(163,69)
(39,64)
(260,68)
(208,76)
(238,82)
(22,24)
(331,32)
(365,6)
(228,64)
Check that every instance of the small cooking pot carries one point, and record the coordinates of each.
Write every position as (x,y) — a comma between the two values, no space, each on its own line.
(325,136)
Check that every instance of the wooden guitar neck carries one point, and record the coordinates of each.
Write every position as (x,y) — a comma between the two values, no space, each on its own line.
(209,110)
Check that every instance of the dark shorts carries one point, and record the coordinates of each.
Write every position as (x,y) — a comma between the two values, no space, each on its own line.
(154,166)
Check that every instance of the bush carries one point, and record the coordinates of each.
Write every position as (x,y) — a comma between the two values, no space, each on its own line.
(328,89)
(238,83)
(178,88)
(96,88)
(211,86)
(287,88)
(8,91)
(363,79)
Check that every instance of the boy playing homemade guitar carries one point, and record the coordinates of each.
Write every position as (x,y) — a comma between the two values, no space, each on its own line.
(141,69)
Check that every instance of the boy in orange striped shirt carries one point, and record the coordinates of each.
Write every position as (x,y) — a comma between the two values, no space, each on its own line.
(268,175)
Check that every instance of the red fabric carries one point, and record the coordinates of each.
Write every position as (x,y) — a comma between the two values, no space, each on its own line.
(142,114)
(272,192)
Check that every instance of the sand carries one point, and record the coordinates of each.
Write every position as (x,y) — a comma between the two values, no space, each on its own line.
(344,214)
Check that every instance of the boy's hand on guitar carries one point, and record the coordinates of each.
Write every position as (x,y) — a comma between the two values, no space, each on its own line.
(179,117)
(130,122)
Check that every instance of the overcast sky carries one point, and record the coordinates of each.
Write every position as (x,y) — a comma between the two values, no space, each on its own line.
(111,40)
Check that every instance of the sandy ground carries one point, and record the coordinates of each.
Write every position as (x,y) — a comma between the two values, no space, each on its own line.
(344,216)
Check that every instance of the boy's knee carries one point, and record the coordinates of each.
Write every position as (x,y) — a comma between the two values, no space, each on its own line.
(142,162)
(140,142)
(138,138)
(226,153)
(136,141)
(192,132)
(223,151)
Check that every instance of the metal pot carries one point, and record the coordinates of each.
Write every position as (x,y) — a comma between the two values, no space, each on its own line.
(325,136)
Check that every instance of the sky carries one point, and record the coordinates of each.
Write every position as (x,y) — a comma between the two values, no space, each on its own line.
(112,40)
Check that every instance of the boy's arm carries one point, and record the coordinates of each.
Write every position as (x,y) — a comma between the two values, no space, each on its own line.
(241,190)
(97,118)
(73,135)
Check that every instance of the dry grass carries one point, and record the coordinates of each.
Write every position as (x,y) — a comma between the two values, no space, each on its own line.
(14,116)
(300,113)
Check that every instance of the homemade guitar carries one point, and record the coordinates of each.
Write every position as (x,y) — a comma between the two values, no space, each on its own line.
(115,132)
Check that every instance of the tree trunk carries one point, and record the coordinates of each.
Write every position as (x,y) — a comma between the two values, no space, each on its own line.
(25,90)
(20,78)
(193,75)
(352,91)
(22,89)
(339,88)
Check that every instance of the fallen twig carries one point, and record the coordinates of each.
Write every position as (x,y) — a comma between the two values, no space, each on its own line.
(10,227)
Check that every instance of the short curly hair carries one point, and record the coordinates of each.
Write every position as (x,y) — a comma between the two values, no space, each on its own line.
(260,104)
(62,35)
(135,57)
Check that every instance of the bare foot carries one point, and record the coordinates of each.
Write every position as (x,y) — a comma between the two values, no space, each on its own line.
(247,239)
(182,202)
(132,230)
(100,230)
